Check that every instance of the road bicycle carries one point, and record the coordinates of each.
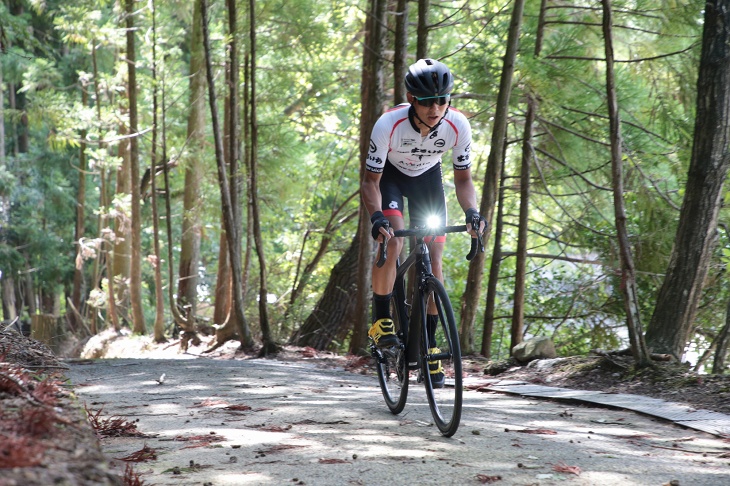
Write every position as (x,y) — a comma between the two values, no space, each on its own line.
(414,351)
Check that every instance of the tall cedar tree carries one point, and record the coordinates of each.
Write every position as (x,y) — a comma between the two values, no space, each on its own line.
(676,306)
(233,232)
(268,344)
(494,167)
(187,285)
(628,269)
(371,97)
(135,274)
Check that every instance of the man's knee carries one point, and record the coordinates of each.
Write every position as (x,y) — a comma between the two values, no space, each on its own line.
(394,246)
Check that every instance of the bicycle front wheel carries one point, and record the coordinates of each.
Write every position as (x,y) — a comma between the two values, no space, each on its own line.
(441,353)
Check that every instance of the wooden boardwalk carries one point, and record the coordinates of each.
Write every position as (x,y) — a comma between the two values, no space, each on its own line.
(705,420)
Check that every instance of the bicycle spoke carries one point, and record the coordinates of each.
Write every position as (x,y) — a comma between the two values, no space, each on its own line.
(390,364)
(445,397)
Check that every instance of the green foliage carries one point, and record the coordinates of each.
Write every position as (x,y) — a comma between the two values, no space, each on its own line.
(307,93)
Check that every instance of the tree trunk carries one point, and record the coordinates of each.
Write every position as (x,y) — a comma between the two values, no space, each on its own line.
(223,298)
(224,317)
(486,350)
(8,281)
(135,274)
(44,328)
(371,95)
(302,276)
(422,29)
(628,272)
(120,260)
(74,318)
(540,27)
(187,327)
(104,254)
(329,321)
(489,190)
(269,346)
(400,58)
(224,312)
(722,345)
(187,290)
(159,325)
(518,313)
(671,324)
(232,231)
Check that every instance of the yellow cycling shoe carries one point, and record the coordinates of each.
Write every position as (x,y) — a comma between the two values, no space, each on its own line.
(382,332)
(436,370)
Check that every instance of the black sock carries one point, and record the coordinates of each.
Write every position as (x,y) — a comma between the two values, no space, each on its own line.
(381,306)
(432,323)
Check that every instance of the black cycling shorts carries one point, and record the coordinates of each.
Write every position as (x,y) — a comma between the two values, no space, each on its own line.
(425,194)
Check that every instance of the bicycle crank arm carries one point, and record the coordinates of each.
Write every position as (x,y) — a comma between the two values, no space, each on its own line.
(434,357)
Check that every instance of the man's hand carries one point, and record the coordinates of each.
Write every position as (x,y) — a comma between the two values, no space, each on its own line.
(381,226)
(475,220)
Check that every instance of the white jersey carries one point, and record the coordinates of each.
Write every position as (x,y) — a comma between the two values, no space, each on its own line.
(396,138)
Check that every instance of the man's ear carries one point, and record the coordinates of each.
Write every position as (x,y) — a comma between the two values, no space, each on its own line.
(409,97)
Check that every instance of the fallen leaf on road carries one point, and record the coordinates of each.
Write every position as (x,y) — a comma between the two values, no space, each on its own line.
(146,453)
(562,467)
(278,448)
(317,422)
(484,479)
(274,428)
(239,408)
(309,352)
(333,461)
(538,431)
(199,440)
(209,402)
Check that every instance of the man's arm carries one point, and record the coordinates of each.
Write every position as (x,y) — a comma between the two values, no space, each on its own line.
(370,192)
(466,194)
(371,197)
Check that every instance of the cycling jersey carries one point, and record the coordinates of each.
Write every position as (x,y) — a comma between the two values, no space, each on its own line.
(397,139)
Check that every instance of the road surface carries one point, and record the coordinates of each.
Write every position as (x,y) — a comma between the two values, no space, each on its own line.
(263,422)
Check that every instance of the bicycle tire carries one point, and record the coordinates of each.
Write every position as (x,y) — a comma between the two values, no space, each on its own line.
(445,402)
(392,368)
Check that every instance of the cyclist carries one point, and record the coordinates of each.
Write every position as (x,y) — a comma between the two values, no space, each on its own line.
(406,147)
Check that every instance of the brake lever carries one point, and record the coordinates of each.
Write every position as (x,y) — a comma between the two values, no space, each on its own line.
(383,252)
(383,248)
(477,243)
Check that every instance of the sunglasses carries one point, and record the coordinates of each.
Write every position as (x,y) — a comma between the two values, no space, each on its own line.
(430,100)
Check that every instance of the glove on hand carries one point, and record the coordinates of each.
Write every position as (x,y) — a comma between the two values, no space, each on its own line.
(474,219)
(379,221)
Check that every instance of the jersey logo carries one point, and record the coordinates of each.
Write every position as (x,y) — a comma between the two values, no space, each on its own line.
(407,142)
(373,147)
(439,143)
(393,205)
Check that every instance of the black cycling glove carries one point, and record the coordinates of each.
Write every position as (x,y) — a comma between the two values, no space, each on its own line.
(379,221)
(474,219)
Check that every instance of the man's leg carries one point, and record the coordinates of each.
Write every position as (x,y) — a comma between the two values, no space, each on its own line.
(383,331)
(435,368)
(437,251)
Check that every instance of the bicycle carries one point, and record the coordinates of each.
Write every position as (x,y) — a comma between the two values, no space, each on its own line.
(414,351)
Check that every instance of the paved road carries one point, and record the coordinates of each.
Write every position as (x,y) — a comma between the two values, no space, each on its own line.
(269,422)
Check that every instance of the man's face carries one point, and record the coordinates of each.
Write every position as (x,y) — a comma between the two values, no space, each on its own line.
(429,114)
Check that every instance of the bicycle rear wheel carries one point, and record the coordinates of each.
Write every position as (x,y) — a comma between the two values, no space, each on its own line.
(392,367)
(444,398)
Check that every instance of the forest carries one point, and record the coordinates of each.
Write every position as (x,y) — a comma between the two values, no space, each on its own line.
(191,170)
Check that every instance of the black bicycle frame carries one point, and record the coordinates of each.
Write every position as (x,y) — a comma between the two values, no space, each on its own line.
(411,325)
